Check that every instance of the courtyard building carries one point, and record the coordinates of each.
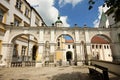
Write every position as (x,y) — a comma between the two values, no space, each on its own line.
(24,36)
(19,13)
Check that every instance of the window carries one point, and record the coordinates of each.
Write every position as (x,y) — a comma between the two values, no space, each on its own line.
(18,4)
(73,46)
(68,46)
(92,46)
(96,46)
(58,44)
(16,22)
(37,21)
(23,52)
(100,46)
(105,46)
(1,15)
(27,12)
(15,51)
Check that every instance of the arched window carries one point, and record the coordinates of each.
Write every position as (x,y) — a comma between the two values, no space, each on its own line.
(58,42)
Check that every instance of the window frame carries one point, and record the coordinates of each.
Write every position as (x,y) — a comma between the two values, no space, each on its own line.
(1,15)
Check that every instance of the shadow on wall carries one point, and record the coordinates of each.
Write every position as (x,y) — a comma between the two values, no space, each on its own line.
(72,76)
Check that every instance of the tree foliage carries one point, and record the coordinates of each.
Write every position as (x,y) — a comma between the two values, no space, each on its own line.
(115,4)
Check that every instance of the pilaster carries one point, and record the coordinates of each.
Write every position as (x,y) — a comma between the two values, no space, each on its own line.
(7,52)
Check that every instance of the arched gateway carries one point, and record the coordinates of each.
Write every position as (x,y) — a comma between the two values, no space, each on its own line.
(82,51)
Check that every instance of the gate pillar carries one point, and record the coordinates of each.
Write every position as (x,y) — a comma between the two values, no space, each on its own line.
(7,52)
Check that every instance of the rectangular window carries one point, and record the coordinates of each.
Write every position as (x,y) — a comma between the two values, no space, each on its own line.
(104,46)
(92,46)
(18,4)
(68,46)
(107,47)
(73,46)
(15,50)
(23,52)
(37,21)
(100,46)
(96,46)
(16,22)
(58,44)
(1,15)
(27,12)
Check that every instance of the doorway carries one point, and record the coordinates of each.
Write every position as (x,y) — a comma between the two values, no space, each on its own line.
(34,51)
(68,55)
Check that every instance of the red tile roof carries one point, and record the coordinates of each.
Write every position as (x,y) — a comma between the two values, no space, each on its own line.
(69,41)
(99,40)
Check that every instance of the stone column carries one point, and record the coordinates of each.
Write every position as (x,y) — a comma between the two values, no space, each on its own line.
(40,57)
(52,36)
(52,51)
(78,55)
(77,48)
(6,49)
(52,44)
(88,41)
(87,46)
(77,45)
(115,44)
(115,51)
(82,51)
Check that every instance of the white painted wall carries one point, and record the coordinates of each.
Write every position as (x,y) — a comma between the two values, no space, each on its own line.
(67,49)
(104,53)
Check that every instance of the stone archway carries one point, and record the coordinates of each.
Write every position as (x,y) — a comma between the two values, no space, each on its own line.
(51,34)
(65,42)
(24,47)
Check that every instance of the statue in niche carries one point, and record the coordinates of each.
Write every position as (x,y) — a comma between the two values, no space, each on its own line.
(47,45)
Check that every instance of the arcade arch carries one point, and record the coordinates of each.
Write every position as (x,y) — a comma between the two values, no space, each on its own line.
(24,48)
(80,37)
(65,43)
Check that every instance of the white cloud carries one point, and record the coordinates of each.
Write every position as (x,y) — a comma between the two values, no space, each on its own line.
(100,9)
(64,19)
(47,11)
(73,2)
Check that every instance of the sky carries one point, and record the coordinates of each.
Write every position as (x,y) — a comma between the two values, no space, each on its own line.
(71,12)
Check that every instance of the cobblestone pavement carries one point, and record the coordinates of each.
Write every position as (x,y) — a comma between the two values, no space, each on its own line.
(45,73)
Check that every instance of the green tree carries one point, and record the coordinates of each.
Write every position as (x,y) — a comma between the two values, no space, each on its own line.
(115,4)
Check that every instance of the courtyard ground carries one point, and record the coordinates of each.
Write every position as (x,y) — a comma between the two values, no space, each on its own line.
(47,73)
